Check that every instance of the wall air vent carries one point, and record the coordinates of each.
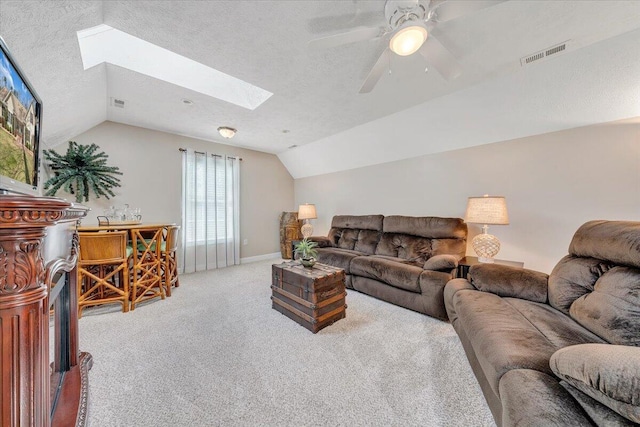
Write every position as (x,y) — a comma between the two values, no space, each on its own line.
(118,103)
(535,57)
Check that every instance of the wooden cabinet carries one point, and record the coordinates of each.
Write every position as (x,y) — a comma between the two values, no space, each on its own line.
(38,247)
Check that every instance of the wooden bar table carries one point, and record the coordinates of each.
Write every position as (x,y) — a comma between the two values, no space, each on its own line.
(146,242)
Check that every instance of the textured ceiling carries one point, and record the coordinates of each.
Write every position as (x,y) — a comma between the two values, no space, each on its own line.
(265,43)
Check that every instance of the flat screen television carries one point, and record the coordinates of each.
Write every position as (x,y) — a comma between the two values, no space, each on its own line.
(20,119)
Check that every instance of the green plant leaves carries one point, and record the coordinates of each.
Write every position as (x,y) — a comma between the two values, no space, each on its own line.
(80,170)
(307,249)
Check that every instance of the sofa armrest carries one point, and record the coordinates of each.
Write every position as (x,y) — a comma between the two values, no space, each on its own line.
(453,286)
(441,263)
(322,241)
(506,281)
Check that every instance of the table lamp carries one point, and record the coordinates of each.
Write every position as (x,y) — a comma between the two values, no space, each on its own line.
(307,212)
(486,210)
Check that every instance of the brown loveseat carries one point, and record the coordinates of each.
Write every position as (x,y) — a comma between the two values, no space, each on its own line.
(558,350)
(404,260)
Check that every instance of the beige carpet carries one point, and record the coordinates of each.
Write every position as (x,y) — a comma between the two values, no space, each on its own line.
(217,354)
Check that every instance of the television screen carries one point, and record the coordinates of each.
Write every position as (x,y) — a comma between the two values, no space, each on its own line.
(20,115)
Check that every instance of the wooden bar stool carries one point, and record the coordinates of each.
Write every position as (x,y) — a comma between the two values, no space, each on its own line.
(146,265)
(169,265)
(103,270)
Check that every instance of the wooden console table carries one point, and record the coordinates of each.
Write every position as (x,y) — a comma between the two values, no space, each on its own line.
(38,253)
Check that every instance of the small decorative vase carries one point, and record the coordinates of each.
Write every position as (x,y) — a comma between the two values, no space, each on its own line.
(307,262)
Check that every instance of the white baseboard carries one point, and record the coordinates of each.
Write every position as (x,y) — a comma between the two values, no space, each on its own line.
(246,260)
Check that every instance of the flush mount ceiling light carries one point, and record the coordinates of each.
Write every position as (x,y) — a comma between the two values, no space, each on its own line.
(408,38)
(226,131)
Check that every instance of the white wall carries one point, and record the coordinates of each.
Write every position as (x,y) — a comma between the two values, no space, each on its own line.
(151,166)
(580,87)
(553,183)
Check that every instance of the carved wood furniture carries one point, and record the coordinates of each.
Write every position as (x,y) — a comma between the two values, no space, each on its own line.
(35,393)
(145,272)
(313,297)
(289,231)
(103,270)
(169,266)
(146,241)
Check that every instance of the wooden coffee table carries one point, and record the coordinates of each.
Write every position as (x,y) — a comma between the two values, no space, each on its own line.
(313,297)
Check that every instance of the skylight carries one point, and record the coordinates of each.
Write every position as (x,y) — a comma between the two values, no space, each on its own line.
(106,44)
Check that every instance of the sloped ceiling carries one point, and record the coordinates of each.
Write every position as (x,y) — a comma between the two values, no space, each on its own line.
(315,98)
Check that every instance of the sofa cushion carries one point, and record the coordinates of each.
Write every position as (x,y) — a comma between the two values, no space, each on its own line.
(572,278)
(533,398)
(412,248)
(337,257)
(612,310)
(348,239)
(608,373)
(509,333)
(599,413)
(430,227)
(360,222)
(367,241)
(419,238)
(396,259)
(596,284)
(353,232)
(615,241)
(396,274)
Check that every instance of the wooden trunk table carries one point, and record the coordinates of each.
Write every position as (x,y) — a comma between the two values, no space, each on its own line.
(313,297)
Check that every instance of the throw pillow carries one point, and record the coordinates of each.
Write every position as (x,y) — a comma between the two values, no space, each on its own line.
(608,373)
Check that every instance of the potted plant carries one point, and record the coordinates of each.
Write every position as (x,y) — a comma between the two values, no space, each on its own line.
(79,170)
(307,251)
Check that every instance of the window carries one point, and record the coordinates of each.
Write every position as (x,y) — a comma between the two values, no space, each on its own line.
(210,210)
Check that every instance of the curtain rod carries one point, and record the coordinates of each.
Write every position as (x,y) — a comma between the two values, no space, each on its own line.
(183,150)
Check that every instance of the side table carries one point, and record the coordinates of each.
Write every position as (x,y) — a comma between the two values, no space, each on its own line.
(465,263)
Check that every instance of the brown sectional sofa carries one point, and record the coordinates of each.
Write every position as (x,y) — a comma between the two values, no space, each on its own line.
(559,349)
(403,260)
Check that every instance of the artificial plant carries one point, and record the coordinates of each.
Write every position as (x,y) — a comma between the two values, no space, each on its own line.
(306,249)
(79,170)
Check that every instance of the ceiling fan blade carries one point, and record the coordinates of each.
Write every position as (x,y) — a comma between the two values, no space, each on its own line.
(323,24)
(448,10)
(376,72)
(440,58)
(355,35)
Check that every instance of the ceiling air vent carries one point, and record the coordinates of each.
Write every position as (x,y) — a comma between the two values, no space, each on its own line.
(553,50)
(118,103)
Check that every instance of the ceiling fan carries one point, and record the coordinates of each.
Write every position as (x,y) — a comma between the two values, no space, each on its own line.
(408,25)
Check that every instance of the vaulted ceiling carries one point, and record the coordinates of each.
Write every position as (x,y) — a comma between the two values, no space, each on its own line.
(315,103)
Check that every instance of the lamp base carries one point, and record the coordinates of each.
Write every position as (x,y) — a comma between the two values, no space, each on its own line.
(486,260)
(306,229)
(486,246)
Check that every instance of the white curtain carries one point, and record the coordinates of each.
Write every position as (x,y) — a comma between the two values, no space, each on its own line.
(210,211)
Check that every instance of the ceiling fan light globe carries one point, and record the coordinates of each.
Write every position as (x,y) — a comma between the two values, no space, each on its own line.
(408,40)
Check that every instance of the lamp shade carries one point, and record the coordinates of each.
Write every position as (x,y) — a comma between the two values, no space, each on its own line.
(307,211)
(487,210)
